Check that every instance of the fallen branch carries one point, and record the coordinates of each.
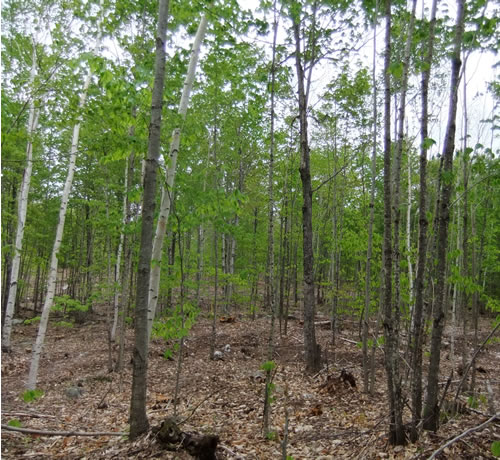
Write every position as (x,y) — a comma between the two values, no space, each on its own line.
(466,370)
(465,433)
(63,433)
(347,340)
(230,452)
(27,414)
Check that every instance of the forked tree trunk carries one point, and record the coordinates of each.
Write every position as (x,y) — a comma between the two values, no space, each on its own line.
(138,420)
(22,209)
(51,282)
(431,409)
(167,189)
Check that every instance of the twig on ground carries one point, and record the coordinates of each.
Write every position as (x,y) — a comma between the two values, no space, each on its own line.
(462,435)
(27,414)
(198,405)
(230,452)
(63,433)
(466,370)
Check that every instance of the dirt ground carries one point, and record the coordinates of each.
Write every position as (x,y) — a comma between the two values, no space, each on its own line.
(327,417)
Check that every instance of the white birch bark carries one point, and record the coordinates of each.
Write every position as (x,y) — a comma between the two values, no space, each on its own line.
(22,208)
(116,303)
(167,188)
(51,282)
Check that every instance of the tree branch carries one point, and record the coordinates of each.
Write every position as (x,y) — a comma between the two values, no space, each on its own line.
(63,433)
(465,433)
(335,174)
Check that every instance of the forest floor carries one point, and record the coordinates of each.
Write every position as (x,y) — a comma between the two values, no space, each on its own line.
(327,419)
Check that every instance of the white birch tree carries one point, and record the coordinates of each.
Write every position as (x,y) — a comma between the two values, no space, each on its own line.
(51,281)
(22,208)
(167,188)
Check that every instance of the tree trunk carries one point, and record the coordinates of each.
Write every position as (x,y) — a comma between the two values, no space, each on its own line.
(396,430)
(22,209)
(312,349)
(167,189)
(418,311)
(52,278)
(138,419)
(270,235)
(431,409)
(369,250)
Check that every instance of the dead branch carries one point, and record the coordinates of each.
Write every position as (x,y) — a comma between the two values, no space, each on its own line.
(27,414)
(465,433)
(230,452)
(466,371)
(62,433)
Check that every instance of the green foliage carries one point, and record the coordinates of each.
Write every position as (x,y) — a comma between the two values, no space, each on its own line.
(428,143)
(473,402)
(176,326)
(31,395)
(66,304)
(495,448)
(33,320)
(268,366)
(272,436)
(15,422)
(66,324)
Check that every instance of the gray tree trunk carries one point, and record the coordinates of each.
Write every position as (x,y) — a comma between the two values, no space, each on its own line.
(396,430)
(369,250)
(418,310)
(138,419)
(270,234)
(431,408)
(167,189)
(312,349)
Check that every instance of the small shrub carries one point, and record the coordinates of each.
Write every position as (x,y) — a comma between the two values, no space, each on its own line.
(64,324)
(14,422)
(495,448)
(32,320)
(31,395)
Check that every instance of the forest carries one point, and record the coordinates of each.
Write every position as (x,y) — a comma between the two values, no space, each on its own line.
(263,229)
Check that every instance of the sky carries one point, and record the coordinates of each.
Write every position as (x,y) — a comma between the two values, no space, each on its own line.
(479,71)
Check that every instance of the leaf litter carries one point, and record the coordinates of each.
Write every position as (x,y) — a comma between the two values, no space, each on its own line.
(329,417)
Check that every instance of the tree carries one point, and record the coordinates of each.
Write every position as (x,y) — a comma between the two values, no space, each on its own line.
(138,418)
(396,430)
(21,212)
(51,282)
(431,408)
(167,190)
(418,310)
(312,348)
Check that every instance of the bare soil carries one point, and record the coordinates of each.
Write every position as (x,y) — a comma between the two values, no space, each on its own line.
(327,417)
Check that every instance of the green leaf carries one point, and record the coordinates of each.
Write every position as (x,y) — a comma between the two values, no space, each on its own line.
(495,448)
(396,69)
(428,142)
(268,366)
(14,422)
(31,395)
